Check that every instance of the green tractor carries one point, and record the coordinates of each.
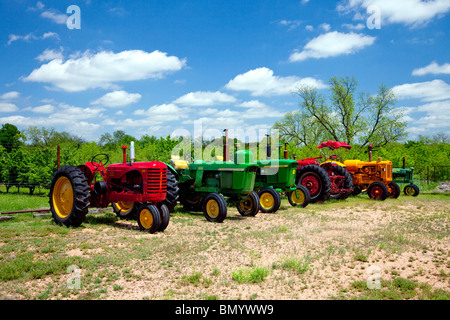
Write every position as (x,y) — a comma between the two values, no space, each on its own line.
(209,185)
(406,175)
(275,176)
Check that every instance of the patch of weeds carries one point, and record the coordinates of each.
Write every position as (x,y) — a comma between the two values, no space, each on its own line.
(300,265)
(253,275)
(399,289)
(196,279)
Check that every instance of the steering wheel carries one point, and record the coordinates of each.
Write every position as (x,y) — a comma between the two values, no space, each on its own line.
(100,159)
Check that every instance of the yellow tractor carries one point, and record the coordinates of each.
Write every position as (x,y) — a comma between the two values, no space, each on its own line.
(374,177)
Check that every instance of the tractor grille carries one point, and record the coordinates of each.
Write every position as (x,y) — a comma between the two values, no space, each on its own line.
(157,181)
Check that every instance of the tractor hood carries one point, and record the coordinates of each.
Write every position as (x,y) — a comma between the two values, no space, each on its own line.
(334,145)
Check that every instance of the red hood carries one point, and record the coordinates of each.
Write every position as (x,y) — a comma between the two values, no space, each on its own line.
(334,145)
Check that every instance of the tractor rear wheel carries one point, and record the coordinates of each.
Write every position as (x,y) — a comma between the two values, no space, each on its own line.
(343,182)
(411,190)
(164,215)
(172,191)
(250,206)
(69,196)
(302,199)
(269,200)
(148,219)
(394,190)
(378,191)
(125,209)
(316,180)
(214,207)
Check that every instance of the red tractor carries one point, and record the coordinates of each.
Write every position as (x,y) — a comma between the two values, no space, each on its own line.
(136,190)
(324,180)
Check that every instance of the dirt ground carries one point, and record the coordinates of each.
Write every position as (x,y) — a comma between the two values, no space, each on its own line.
(318,252)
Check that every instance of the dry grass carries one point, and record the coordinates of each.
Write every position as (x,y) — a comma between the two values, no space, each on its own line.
(319,252)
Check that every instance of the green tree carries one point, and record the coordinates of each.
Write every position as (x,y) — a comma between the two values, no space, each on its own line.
(10,137)
(348,116)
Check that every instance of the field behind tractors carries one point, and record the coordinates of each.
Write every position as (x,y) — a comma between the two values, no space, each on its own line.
(324,251)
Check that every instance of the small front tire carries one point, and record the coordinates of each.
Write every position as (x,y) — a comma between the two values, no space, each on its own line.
(149,219)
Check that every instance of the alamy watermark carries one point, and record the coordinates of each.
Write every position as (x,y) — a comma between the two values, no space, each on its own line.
(374,20)
(74,280)
(374,279)
(74,20)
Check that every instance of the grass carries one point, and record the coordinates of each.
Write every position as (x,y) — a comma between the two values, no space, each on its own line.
(398,289)
(307,249)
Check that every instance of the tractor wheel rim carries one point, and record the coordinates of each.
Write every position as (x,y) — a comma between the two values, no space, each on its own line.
(267,200)
(247,204)
(124,206)
(146,218)
(63,197)
(301,197)
(312,183)
(391,191)
(410,191)
(376,192)
(212,208)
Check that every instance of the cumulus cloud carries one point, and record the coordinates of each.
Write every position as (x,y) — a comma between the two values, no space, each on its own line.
(432,68)
(204,98)
(103,69)
(118,98)
(434,90)
(262,82)
(10,95)
(409,12)
(31,36)
(7,107)
(333,44)
(50,54)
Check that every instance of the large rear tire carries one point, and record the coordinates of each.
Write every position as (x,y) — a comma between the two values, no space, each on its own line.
(125,209)
(172,191)
(316,180)
(69,196)
(343,182)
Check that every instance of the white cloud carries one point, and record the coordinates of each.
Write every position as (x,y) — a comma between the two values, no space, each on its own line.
(333,44)
(432,68)
(262,82)
(309,27)
(205,98)
(356,27)
(31,36)
(10,95)
(425,91)
(46,108)
(409,12)
(103,69)
(55,16)
(163,113)
(8,107)
(117,99)
(325,27)
(50,54)
(429,118)
(292,24)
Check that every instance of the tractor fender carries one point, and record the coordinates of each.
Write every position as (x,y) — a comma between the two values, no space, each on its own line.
(333,162)
(172,169)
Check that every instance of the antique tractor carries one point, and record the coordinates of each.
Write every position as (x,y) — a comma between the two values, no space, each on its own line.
(276,176)
(209,185)
(406,175)
(135,190)
(375,177)
(324,180)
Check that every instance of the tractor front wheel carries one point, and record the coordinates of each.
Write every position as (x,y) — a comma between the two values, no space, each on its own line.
(269,200)
(411,190)
(164,215)
(394,190)
(69,196)
(378,191)
(149,219)
(250,206)
(299,197)
(214,207)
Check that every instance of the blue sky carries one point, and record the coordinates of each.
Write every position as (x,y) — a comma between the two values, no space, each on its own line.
(153,67)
